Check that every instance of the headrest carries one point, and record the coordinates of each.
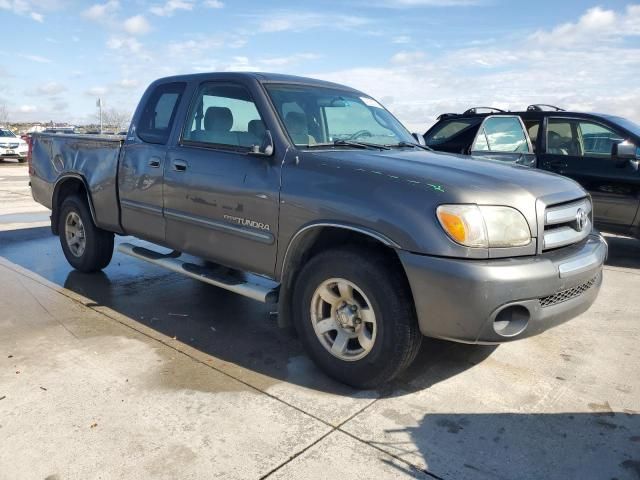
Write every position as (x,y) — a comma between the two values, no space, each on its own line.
(218,119)
(256,128)
(296,122)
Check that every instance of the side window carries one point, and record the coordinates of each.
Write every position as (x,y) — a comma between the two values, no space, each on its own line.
(501,134)
(448,130)
(159,113)
(533,127)
(597,140)
(562,138)
(224,115)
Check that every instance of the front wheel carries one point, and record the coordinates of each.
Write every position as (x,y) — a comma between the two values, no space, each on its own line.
(354,314)
(86,247)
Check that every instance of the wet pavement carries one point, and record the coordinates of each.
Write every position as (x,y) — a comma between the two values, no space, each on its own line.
(183,380)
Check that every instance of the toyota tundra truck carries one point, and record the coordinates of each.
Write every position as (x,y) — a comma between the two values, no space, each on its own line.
(311,195)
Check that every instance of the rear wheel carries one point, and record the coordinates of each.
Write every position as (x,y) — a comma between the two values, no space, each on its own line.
(86,247)
(354,314)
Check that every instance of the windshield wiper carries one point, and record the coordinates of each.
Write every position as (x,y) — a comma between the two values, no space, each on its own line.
(410,144)
(371,146)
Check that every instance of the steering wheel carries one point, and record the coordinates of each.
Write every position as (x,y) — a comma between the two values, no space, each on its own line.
(360,133)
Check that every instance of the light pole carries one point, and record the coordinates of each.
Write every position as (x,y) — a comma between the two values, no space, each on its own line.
(99,105)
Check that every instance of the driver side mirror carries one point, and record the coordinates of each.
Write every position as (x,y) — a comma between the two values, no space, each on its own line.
(419,139)
(625,151)
(266,147)
(628,153)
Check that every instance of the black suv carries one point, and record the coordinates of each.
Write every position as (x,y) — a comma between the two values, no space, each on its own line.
(601,152)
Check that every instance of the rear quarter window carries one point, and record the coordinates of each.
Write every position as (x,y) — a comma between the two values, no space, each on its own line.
(159,113)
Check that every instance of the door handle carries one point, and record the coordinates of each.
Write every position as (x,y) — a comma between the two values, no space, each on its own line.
(179,165)
(557,164)
(154,163)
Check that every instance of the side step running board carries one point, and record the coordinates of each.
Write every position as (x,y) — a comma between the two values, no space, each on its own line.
(245,284)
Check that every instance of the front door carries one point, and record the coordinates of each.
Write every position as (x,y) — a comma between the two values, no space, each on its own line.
(221,201)
(504,138)
(140,174)
(582,150)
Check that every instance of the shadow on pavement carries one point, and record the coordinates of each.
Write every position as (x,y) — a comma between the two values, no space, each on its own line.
(226,326)
(623,252)
(601,445)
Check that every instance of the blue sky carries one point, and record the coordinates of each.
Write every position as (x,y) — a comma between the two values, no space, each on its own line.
(419,57)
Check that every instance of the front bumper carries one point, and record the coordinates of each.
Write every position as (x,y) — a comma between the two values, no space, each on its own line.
(9,153)
(494,301)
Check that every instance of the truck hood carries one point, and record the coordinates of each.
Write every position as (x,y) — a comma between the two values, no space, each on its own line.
(456,174)
(448,178)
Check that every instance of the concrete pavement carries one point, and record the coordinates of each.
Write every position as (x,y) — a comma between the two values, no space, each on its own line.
(141,373)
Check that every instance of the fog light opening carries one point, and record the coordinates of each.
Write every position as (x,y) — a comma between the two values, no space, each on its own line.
(511,321)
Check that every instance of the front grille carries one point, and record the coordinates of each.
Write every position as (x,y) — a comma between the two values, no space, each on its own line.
(568,294)
(9,145)
(563,225)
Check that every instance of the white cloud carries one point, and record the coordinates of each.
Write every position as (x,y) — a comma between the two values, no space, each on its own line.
(401,39)
(511,75)
(128,83)
(214,4)
(27,8)
(97,91)
(127,45)
(168,8)
(36,58)
(27,108)
(101,11)
(407,57)
(426,3)
(596,23)
(288,60)
(49,88)
(136,25)
(298,21)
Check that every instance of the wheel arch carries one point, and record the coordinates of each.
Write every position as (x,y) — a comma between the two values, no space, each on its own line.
(314,238)
(69,184)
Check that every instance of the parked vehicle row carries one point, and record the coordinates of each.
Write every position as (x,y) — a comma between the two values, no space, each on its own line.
(314,196)
(601,152)
(12,147)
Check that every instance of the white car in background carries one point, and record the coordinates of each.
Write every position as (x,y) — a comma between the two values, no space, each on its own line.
(12,146)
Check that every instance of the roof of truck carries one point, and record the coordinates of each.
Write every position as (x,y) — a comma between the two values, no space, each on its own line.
(263,77)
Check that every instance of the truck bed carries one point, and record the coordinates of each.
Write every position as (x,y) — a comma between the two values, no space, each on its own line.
(92,158)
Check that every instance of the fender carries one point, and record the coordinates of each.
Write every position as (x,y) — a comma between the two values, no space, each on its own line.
(296,242)
(56,191)
(345,226)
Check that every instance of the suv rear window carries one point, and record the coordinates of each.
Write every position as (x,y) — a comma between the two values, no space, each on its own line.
(447,130)
(159,112)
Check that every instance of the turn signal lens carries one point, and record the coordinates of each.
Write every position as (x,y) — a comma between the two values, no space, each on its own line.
(454,226)
(464,224)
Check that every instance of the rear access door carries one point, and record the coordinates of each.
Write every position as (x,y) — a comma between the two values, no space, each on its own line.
(141,169)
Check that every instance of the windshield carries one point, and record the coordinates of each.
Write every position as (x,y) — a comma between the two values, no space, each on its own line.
(318,116)
(628,124)
(6,133)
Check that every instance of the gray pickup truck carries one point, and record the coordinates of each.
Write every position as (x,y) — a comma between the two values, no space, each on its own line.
(312,195)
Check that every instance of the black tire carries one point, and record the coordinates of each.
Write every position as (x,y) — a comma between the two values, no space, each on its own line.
(398,337)
(22,160)
(98,248)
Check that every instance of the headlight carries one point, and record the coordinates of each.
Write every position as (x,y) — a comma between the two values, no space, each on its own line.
(484,226)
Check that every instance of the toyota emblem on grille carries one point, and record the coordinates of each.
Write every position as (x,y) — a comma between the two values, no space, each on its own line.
(581,219)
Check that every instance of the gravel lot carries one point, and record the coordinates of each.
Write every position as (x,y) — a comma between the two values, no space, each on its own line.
(140,373)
